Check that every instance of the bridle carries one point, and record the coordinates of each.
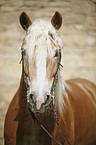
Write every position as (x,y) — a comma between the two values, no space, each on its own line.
(52,98)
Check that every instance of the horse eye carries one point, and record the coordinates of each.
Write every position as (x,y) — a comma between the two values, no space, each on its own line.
(56,54)
(50,34)
(23,51)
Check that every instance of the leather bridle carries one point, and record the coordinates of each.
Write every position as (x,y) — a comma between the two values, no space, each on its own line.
(52,98)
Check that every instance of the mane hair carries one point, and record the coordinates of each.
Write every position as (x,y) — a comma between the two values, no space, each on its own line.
(38,32)
(61,94)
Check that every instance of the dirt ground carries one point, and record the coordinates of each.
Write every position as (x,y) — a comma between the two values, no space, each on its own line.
(78,32)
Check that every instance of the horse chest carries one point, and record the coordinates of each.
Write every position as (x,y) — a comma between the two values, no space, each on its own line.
(31,133)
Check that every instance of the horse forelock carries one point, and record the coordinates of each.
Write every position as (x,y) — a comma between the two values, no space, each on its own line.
(39,32)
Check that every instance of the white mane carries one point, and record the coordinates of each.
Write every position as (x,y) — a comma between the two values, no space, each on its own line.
(61,94)
(37,34)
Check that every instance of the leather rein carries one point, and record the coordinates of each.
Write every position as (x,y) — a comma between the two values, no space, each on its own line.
(52,99)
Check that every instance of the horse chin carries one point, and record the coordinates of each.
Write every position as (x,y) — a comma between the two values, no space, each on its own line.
(42,110)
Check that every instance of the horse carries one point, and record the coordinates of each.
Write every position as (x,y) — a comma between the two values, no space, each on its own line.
(42,86)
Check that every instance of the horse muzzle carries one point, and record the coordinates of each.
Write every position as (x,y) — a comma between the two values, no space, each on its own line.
(37,106)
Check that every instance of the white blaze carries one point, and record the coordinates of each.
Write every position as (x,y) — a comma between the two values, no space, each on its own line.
(41,73)
(41,76)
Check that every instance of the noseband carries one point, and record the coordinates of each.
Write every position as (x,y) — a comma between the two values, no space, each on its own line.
(52,97)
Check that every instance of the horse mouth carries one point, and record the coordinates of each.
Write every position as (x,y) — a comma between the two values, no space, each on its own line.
(38,106)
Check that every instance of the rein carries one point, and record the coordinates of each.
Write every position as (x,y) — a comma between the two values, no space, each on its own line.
(52,100)
(36,120)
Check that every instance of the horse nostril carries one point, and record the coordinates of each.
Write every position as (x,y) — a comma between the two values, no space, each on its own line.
(47,102)
(31,96)
(48,97)
(32,99)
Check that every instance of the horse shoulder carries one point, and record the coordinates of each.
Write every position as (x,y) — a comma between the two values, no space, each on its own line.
(66,122)
(82,99)
(11,121)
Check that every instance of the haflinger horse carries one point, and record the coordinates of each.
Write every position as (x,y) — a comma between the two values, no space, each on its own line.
(42,88)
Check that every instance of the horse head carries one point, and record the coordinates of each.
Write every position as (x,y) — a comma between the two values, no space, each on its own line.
(41,56)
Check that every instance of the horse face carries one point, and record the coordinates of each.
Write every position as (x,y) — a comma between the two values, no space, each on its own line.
(40,55)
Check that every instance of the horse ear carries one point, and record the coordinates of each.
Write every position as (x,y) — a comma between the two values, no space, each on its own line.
(57,20)
(25,21)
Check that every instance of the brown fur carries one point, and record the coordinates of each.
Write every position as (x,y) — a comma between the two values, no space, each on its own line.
(78,124)
(25,21)
(51,68)
(57,20)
